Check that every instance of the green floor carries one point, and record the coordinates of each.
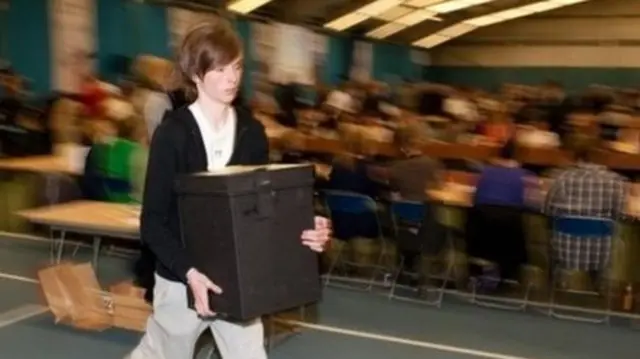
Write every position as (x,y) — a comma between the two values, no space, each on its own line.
(456,331)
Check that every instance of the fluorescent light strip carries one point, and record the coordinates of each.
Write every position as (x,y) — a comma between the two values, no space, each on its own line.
(386,30)
(467,26)
(346,21)
(422,3)
(455,5)
(415,17)
(401,23)
(518,12)
(363,13)
(246,6)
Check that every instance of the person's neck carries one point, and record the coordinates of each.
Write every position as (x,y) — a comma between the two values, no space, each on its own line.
(216,112)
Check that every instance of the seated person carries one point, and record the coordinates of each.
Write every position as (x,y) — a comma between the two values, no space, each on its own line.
(410,178)
(612,120)
(349,172)
(498,129)
(494,225)
(109,169)
(538,135)
(586,190)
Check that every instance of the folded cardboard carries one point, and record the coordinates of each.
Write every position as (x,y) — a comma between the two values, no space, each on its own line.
(74,297)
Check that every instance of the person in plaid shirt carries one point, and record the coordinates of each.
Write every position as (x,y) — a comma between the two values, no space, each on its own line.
(586,190)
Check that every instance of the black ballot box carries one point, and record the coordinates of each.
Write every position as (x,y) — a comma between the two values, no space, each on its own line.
(242,227)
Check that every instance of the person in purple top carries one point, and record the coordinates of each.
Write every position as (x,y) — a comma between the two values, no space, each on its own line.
(495,230)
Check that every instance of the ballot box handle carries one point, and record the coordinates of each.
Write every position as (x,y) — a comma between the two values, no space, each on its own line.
(264,194)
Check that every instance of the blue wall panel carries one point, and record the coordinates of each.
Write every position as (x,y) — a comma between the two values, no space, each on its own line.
(127,29)
(339,58)
(28,42)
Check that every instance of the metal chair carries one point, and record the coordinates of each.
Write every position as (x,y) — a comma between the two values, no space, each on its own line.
(492,301)
(343,207)
(407,218)
(519,304)
(586,228)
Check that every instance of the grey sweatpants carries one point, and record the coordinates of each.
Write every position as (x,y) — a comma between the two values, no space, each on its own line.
(173,328)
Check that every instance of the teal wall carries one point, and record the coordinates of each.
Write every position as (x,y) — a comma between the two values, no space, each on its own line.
(125,29)
(574,79)
(338,61)
(28,49)
(392,63)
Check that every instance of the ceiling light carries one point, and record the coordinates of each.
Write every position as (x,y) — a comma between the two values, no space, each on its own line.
(361,14)
(346,21)
(246,6)
(422,3)
(394,13)
(386,30)
(455,5)
(431,41)
(416,17)
(490,19)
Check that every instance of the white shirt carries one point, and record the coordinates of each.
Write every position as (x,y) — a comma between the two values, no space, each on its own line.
(218,143)
(538,138)
(341,101)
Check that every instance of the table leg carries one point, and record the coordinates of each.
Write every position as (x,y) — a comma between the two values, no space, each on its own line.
(52,246)
(97,241)
(63,234)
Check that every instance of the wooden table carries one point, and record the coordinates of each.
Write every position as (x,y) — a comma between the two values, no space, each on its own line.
(39,164)
(97,219)
(53,168)
(464,198)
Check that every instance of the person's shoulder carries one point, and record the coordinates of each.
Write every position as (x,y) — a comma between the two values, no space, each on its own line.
(174,124)
(177,117)
(244,114)
(614,176)
(424,160)
(245,117)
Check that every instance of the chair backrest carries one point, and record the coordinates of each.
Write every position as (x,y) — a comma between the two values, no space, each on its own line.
(407,212)
(349,202)
(581,226)
(352,214)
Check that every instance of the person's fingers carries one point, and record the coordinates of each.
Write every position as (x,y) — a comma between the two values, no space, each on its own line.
(321,222)
(213,287)
(205,309)
(314,246)
(199,307)
(321,235)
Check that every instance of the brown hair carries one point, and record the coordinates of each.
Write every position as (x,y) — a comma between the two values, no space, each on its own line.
(205,47)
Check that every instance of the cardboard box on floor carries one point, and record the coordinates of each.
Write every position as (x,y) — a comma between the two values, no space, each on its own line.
(74,296)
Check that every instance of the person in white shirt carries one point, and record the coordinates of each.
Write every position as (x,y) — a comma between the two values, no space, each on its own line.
(211,133)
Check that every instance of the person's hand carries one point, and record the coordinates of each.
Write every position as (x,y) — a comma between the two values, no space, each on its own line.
(316,239)
(200,286)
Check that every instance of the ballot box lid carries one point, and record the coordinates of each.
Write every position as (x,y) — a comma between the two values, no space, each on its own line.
(236,180)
